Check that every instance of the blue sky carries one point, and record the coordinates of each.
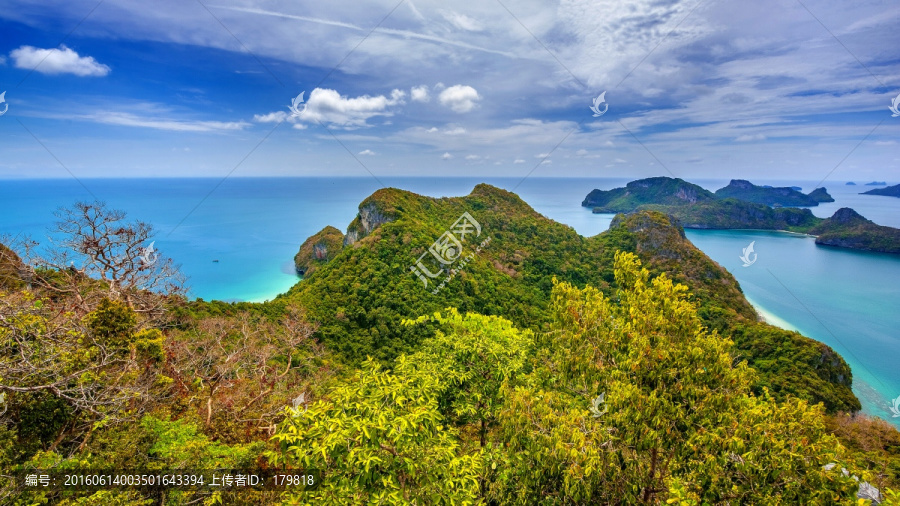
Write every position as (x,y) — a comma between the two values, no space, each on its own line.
(715,88)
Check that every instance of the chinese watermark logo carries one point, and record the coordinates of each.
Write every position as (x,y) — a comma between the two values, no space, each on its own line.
(3,101)
(595,406)
(296,111)
(148,255)
(447,252)
(746,257)
(895,408)
(895,106)
(600,100)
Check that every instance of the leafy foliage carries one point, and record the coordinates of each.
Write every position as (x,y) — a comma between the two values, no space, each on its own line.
(379,439)
(472,361)
(553,369)
(678,415)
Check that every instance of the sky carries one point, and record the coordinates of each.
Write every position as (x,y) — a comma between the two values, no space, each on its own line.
(769,89)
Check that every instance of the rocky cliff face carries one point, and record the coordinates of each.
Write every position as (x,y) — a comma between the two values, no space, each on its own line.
(318,250)
(371,216)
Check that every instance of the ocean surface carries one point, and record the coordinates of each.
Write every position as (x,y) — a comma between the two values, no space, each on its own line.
(253,226)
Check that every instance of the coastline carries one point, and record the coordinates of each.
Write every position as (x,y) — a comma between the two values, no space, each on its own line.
(871,398)
(770,317)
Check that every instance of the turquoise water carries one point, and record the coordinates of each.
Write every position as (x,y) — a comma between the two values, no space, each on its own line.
(253,226)
(848,300)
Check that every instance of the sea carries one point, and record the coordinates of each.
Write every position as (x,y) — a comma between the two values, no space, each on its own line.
(235,239)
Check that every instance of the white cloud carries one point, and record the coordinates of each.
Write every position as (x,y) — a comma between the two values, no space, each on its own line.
(126,119)
(272,117)
(472,157)
(519,160)
(456,131)
(57,61)
(432,130)
(461,21)
(749,137)
(446,156)
(542,155)
(459,98)
(367,152)
(419,94)
(328,106)
(581,152)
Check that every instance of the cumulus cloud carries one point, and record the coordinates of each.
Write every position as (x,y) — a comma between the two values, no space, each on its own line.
(419,94)
(329,106)
(446,156)
(367,152)
(750,138)
(519,160)
(57,61)
(472,157)
(456,131)
(459,98)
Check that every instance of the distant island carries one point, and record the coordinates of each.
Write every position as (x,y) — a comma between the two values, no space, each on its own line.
(877,183)
(696,207)
(850,183)
(890,191)
(773,196)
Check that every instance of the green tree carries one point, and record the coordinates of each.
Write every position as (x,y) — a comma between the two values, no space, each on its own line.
(379,439)
(633,398)
(472,360)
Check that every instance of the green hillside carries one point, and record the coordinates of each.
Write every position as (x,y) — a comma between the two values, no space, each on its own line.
(359,298)
(536,367)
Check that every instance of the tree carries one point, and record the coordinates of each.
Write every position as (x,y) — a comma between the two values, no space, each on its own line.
(98,254)
(72,372)
(378,439)
(475,357)
(633,401)
(245,367)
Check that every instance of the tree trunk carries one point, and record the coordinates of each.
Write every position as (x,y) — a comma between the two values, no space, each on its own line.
(648,490)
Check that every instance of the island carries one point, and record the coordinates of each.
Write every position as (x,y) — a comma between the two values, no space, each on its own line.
(772,196)
(850,183)
(890,191)
(698,208)
(848,229)
(877,183)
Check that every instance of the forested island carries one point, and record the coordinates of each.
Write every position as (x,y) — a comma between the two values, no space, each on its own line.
(773,196)
(460,350)
(742,205)
(890,191)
